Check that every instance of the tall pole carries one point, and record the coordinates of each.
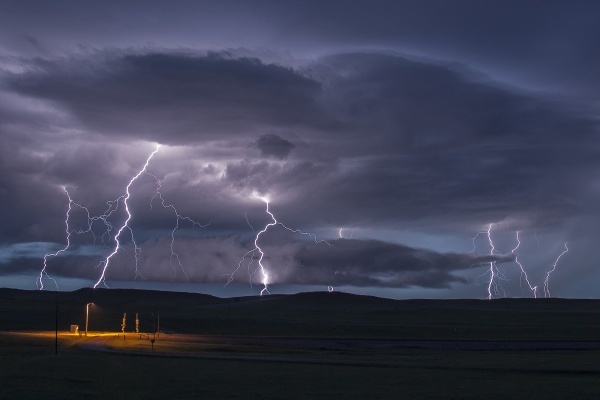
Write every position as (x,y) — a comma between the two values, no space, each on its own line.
(56,329)
(158,323)
(87,314)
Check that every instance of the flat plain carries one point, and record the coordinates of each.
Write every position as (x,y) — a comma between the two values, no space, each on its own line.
(316,345)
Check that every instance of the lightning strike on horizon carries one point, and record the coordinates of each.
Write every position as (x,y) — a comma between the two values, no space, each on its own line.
(43,272)
(69,232)
(494,287)
(493,268)
(125,224)
(261,268)
(106,236)
(265,280)
(523,273)
(547,280)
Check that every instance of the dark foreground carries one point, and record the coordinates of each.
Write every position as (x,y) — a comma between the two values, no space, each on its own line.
(312,345)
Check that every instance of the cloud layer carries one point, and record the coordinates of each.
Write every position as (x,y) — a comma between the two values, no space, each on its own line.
(413,139)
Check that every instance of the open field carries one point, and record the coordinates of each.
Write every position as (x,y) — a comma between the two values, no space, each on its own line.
(311,345)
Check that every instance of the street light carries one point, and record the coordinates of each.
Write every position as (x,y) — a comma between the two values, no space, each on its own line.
(87,314)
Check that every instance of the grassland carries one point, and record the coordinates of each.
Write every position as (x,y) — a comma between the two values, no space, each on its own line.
(322,362)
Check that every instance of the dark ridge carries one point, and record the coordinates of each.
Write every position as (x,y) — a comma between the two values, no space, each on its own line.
(317,314)
(153,297)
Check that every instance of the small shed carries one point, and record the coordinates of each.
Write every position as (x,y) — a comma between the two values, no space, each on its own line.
(74,329)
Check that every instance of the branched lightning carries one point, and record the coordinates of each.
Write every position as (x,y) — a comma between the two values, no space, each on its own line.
(265,275)
(43,272)
(107,234)
(69,232)
(547,280)
(494,287)
(125,224)
(473,239)
(495,274)
(523,273)
(250,253)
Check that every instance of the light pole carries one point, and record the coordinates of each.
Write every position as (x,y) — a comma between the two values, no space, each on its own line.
(87,314)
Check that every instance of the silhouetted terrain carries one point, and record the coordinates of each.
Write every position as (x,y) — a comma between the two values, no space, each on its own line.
(314,314)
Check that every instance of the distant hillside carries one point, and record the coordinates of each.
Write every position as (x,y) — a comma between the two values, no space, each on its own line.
(325,314)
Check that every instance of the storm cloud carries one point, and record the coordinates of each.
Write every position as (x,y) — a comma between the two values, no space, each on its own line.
(414,126)
(273,145)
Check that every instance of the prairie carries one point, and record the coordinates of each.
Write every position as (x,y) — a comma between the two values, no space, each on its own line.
(310,345)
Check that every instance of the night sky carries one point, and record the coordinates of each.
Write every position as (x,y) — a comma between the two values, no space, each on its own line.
(396,132)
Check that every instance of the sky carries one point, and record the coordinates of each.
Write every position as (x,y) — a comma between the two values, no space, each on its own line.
(405,149)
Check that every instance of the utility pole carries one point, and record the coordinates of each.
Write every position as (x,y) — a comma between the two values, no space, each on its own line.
(56,329)
(87,315)
(154,329)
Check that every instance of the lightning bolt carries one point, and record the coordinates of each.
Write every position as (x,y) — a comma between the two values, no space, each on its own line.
(475,238)
(265,275)
(260,267)
(523,273)
(494,287)
(69,232)
(43,272)
(125,225)
(106,236)
(493,268)
(547,280)
(256,248)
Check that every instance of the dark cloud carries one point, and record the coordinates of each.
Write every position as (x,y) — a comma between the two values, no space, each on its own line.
(381,264)
(173,98)
(426,132)
(554,44)
(274,145)
(343,262)
(406,133)
(414,122)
